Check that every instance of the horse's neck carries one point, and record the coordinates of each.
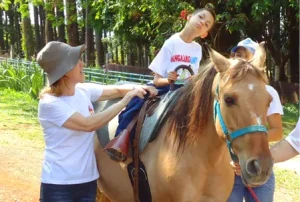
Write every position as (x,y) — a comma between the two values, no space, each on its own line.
(209,143)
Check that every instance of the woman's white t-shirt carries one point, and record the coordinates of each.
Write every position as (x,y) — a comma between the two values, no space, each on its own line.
(69,154)
(294,137)
(176,52)
(275,106)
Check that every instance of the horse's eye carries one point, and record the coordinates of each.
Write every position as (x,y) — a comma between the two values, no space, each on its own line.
(229,100)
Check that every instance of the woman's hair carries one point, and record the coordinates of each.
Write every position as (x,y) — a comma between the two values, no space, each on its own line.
(54,89)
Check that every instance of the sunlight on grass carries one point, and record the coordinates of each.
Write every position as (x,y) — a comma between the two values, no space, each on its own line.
(19,114)
(287,183)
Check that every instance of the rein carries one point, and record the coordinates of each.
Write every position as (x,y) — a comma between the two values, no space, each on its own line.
(233,135)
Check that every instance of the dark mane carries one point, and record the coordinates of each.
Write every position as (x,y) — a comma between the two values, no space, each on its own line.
(185,117)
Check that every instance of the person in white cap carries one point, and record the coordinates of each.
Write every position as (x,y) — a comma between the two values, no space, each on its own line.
(288,147)
(265,193)
(67,117)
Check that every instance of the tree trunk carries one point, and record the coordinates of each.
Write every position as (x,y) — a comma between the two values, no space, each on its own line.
(42,25)
(146,55)
(61,21)
(48,23)
(72,25)
(90,51)
(2,46)
(18,20)
(11,27)
(100,49)
(122,52)
(139,50)
(117,52)
(27,34)
(6,30)
(293,28)
(38,43)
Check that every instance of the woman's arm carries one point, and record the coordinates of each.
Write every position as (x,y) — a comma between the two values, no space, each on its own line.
(283,151)
(90,123)
(93,122)
(275,127)
(115,91)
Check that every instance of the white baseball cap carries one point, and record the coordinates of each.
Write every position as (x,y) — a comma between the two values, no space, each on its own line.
(246,43)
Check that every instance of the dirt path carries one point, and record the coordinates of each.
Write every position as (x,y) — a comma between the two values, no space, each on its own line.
(20,168)
(21,161)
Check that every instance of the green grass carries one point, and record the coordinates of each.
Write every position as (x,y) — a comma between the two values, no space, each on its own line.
(19,114)
(287,184)
(290,118)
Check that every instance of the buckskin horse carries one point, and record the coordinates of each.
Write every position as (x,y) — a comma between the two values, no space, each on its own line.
(221,111)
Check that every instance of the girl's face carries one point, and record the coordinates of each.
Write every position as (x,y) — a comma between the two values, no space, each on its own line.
(201,22)
(243,53)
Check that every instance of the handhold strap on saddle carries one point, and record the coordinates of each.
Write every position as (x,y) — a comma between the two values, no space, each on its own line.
(136,160)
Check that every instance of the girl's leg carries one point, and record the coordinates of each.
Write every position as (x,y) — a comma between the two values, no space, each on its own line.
(238,190)
(265,192)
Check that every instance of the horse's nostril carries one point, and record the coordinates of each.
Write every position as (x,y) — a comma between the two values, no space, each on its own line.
(253,167)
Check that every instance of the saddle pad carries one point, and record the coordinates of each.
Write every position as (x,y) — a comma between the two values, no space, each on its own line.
(153,122)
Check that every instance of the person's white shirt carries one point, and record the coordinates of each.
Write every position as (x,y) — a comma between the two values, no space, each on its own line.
(177,52)
(275,106)
(294,137)
(69,154)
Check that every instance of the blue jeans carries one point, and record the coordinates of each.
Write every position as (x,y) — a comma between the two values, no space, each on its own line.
(265,192)
(85,192)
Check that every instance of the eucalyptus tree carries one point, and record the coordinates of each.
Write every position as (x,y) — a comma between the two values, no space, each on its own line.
(27,33)
(72,24)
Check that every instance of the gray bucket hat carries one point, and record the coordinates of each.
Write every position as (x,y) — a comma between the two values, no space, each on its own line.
(57,58)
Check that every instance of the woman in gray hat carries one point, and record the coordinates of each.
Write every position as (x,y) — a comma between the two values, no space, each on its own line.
(68,121)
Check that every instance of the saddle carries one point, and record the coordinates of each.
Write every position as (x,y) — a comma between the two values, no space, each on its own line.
(155,114)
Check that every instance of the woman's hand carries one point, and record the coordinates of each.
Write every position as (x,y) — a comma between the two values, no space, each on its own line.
(236,167)
(139,91)
(172,76)
(151,90)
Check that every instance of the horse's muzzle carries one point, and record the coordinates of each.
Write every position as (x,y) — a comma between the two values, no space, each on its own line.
(256,172)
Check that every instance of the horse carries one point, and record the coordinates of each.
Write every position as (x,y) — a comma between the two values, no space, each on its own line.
(219,113)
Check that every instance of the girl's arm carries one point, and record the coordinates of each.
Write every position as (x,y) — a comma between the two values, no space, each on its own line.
(160,81)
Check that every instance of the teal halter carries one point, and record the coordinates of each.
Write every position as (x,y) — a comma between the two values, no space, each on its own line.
(237,133)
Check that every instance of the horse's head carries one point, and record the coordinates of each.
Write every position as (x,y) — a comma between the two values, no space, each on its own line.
(241,104)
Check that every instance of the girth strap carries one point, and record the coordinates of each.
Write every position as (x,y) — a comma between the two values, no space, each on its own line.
(136,160)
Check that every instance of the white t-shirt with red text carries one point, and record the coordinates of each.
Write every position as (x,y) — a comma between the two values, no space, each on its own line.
(176,52)
(69,154)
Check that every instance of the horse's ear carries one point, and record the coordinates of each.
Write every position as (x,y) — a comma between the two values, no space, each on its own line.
(259,57)
(221,63)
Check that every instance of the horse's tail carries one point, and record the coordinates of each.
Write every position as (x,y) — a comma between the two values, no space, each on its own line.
(101,196)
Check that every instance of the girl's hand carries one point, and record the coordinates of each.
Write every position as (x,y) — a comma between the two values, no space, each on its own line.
(172,76)
(236,167)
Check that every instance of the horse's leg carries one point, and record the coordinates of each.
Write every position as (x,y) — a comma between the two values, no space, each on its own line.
(114,180)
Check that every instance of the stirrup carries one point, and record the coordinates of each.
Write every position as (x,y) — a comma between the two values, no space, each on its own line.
(116,155)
